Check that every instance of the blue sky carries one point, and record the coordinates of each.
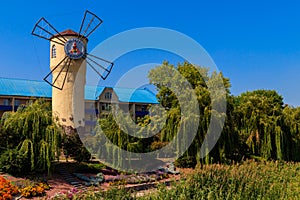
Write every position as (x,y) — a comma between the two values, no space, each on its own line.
(255,43)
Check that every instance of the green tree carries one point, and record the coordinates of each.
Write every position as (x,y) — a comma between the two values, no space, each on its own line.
(292,125)
(261,125)
(199,78)
(257,123)
(32,133)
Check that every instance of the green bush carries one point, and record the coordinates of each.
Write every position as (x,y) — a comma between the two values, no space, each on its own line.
(89,167)
(82,155)
(32,137)
(185,162)
(74,148)
(14,162)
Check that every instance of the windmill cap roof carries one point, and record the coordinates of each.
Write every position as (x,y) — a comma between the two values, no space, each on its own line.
(68,32)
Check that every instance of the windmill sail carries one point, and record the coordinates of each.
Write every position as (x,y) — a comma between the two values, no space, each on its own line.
(89,24)
(45,30)
(101,66)
(57,77)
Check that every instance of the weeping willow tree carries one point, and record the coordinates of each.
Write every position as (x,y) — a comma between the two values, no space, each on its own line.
(119,131)
(35,135)
(257,123)
(292,125)
(166,128)
(198,78)
(262,125)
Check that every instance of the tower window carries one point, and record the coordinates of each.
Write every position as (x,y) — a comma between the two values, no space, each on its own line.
(53,51)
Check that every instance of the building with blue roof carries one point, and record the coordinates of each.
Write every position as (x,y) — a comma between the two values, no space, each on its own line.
(98,99)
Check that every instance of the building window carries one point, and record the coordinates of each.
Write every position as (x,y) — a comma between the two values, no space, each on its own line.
(144,108)
(17,102)
(6,102)
(106,107)
(107,95)
(53,51)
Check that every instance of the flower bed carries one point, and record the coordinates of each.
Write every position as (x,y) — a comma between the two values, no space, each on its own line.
(7,189)
(13,188)
(35,190)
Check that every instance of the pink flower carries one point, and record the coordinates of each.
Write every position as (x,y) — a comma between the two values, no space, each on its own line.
(74,190)
(70,195)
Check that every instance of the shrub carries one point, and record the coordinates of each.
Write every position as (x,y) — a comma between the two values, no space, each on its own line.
(185,162)
(82,155)
(89,167)
(74,148)
(14,162)
(32,133)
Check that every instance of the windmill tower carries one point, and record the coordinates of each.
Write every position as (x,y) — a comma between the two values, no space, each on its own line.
(70,99)
(68,61)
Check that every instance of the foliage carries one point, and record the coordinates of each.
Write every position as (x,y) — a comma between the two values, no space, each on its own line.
(199,78)
(119,136)
(33,133)
(250,180)
(185,162)
(117,183)
(156,145)
(247,180)
(89,167)
(292,122)
(117,133)
(7,189)
(74,148)
(261,124)
(8,140)
(94,194)
(257,123)
(14,162)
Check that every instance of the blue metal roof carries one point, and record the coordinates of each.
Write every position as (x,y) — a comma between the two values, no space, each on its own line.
(135,95)
(92,92)
(30,88)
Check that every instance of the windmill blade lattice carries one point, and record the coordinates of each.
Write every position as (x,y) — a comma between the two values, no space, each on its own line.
(59,82)
(45,30)
(101,66)
(89,24)
(59,73)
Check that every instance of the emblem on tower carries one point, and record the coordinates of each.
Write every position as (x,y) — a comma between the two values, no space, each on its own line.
(74,48)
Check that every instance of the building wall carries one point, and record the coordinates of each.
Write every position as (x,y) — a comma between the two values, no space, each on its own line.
(91,115)
(106,99)
(11,103)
